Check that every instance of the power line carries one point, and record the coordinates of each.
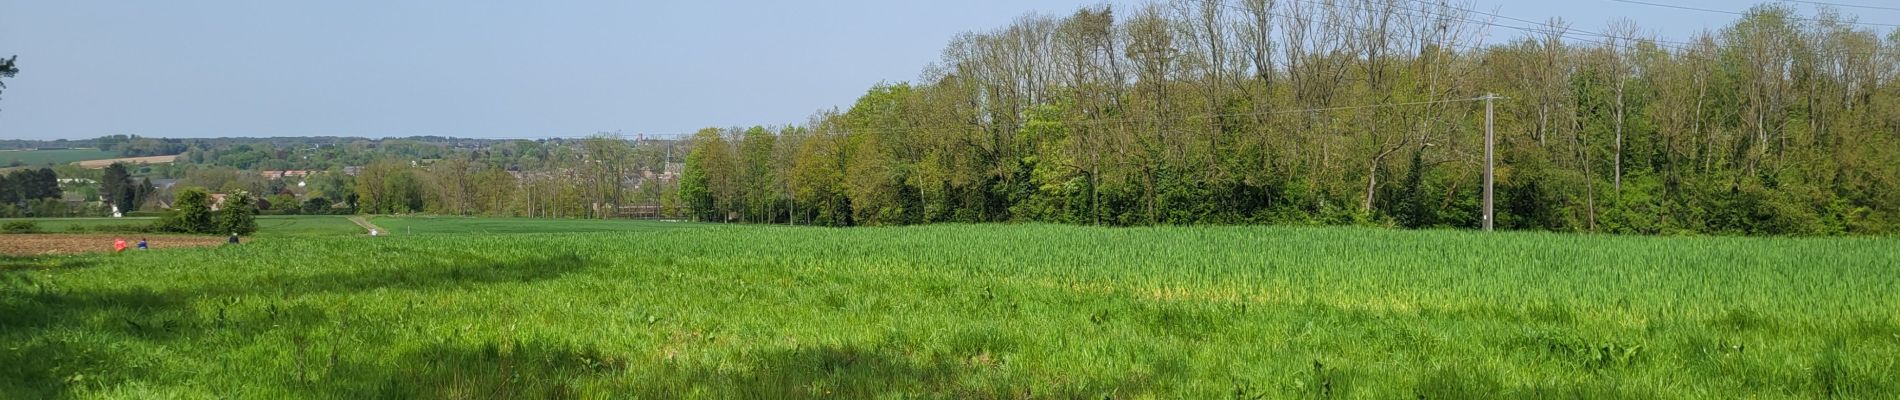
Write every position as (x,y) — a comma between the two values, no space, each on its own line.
(1629,42)
(1625,42)
(1545,27)
(1309,21)
(1842,5)
(1741,13)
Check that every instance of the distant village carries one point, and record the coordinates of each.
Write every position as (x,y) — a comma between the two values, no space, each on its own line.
(549,177)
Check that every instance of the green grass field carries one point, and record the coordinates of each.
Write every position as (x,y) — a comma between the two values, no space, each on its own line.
(461,225)
(43,157)
(657,310)
(74,225)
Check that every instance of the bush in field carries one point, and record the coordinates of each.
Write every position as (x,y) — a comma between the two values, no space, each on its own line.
(316,206)
(21,227)
(239,214)
(283,203)
(117,228)
(191,213)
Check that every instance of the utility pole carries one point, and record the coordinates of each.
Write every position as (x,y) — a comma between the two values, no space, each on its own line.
(1490,165)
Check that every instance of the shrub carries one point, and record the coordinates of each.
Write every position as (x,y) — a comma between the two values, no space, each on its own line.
(118,228)
(191,213)
(317,205)
(21,227)
(283,203)
(238,216)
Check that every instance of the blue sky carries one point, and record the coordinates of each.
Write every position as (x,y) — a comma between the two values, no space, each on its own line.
(191,68)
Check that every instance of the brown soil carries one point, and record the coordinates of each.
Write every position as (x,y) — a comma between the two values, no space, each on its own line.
(49,244)
(97,164)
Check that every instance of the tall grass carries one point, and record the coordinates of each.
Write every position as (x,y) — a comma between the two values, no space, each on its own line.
(962,312)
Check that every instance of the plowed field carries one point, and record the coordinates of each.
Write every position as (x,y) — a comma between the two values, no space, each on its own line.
(43,244)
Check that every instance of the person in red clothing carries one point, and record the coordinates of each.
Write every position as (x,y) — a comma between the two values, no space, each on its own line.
(118,245)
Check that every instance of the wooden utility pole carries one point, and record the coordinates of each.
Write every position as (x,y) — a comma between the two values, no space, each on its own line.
(1490,164)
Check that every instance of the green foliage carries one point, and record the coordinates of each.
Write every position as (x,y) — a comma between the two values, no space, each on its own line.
(118,189)
(8,68)
(135,146)
(283,203)
(238,215)
(707,185)
(1767,127)
(20,227)
(317,206)
(191,213)
(389,186)
(763,191)
(132,227)
(24,185)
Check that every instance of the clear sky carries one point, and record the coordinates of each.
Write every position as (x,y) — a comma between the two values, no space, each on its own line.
(190,68)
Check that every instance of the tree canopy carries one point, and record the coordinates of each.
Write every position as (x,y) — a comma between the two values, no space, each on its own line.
(1197,112)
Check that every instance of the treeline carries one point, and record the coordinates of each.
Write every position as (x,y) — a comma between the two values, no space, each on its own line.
(1357,111)
(25,192)
(136,146)
(598,177)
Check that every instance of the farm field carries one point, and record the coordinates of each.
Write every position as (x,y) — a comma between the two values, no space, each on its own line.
(100,164)
(31,245)
(428,225)
(80,235)
(660,310)
(42,157)
(267,225)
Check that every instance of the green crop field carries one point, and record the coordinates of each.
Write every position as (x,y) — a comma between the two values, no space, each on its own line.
(656,310)
(72,225)
(306,225)
(460,225)
(43,157)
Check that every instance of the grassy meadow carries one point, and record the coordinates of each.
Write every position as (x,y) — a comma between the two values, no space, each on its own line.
(458,225)
(487,308)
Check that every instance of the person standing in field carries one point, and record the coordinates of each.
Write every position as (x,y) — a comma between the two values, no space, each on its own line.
(142,244)
(118,245)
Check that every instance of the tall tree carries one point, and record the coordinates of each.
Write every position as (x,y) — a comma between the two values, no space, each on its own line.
(8,68)
(116,187)
(761,191)
(238,216)
(607,160)
(707,187)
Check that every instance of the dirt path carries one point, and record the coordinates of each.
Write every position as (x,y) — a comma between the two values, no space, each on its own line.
(368,227)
